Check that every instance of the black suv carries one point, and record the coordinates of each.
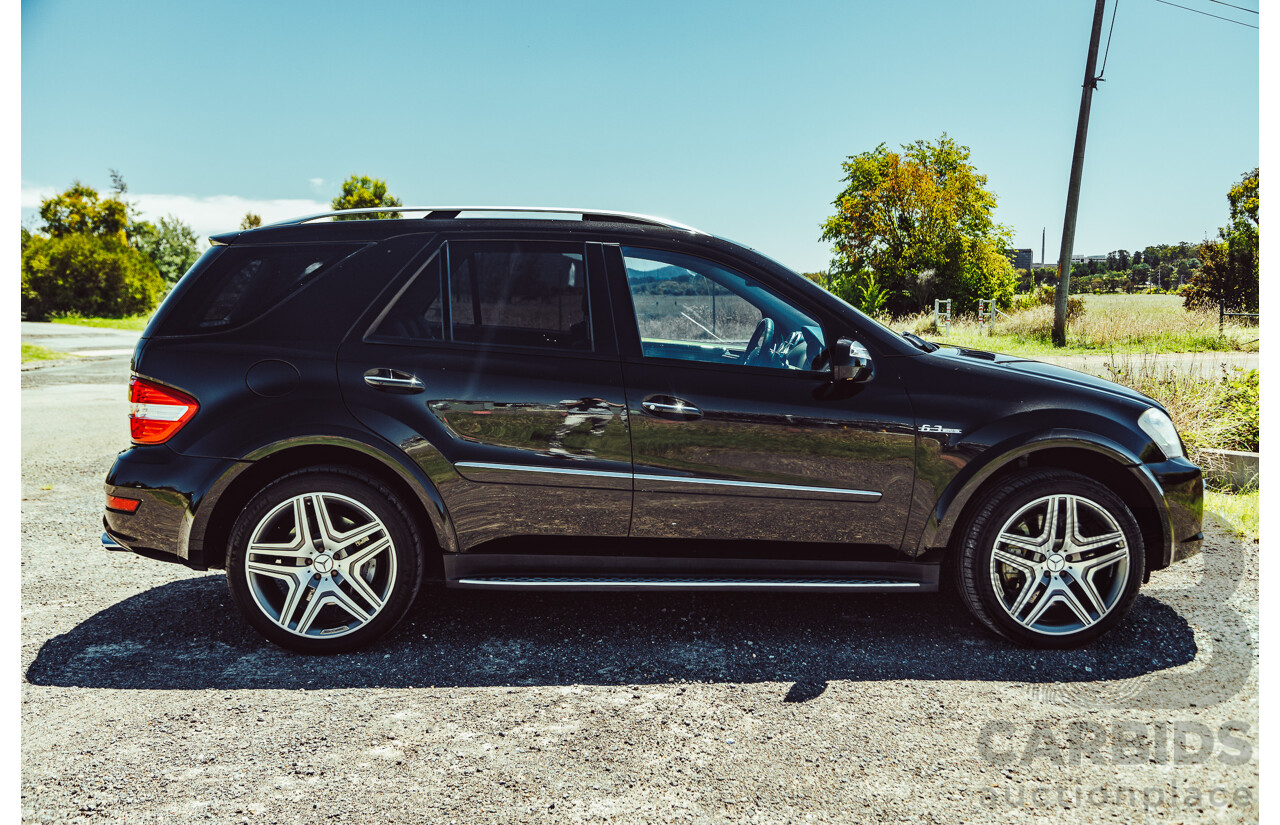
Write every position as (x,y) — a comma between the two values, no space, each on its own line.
(337,408)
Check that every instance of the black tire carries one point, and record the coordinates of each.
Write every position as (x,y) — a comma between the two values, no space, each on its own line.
(1073,584)
(347,573)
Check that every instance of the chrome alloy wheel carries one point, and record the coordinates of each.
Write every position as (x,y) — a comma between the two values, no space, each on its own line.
(320,565)
(1060,564)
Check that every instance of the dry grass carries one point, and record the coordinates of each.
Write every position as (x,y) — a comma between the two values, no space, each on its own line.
(1200,407)
(1110,323)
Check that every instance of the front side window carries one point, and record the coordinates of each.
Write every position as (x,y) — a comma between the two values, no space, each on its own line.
(692,309)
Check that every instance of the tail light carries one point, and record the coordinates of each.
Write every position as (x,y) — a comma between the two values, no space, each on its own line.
(156,412)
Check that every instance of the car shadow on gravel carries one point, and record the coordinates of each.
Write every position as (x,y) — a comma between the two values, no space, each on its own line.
(188,636)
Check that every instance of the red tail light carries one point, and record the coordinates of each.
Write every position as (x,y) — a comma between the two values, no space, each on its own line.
(122,504)
(156,412)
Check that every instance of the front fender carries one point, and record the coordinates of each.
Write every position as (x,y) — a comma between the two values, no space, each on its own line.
(947,510)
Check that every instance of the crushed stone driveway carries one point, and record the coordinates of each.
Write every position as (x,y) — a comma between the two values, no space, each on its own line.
(146,699)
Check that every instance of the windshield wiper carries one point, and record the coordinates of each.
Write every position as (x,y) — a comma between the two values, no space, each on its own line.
(927,346)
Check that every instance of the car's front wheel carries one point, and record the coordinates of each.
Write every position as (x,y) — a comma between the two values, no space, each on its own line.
(324,560)
(1050,558)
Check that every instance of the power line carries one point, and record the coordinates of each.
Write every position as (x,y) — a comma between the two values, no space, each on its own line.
(1206,14)
(1114,9)
(1241,8)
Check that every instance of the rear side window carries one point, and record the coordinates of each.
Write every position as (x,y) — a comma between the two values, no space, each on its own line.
(499,293)
(246,281)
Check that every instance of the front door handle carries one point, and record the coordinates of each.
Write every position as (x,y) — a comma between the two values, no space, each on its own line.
(389,380)
(670,408)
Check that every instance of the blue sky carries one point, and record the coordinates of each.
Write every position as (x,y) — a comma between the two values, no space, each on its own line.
(731,117)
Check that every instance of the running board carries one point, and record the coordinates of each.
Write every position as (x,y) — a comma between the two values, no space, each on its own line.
(866,585)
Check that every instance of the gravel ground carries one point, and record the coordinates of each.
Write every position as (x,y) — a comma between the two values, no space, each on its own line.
(146,699)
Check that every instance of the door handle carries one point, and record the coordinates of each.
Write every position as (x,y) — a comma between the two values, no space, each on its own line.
(389,380)
(671,408)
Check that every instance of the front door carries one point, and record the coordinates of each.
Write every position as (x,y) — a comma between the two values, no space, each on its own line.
(738,431)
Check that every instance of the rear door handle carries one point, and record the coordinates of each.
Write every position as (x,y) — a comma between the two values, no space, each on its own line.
(670,408)
(389,380)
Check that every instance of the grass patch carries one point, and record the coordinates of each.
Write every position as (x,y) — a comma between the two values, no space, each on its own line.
(31,352)
(1120,324)
(132,322)
(1238,511)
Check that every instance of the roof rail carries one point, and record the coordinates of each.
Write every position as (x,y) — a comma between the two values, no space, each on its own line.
(449,212)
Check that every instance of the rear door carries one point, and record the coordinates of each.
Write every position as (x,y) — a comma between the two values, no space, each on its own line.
(493,367)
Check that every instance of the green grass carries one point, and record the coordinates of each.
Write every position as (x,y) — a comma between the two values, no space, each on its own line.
(134,322)
(1111,324)
(31,352)
(1238,511)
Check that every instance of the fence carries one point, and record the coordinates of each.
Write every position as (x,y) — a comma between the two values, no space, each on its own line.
(1223,315)
(987,313)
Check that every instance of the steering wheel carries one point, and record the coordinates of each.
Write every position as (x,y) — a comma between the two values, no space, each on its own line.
(760,341)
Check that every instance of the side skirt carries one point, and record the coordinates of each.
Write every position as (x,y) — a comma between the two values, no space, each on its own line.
(537,572)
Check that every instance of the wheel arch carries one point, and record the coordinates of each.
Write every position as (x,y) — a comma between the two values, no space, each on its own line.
(416,491)
(1105,462)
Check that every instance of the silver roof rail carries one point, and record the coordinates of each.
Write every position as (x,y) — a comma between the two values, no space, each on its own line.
(454,211)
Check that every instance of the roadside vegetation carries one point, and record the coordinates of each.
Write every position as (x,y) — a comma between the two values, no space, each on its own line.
(130,322)
(31,352)
(1238,511)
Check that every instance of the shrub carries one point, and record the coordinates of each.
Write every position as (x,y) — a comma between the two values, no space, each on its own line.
(1048,296)
(88,275)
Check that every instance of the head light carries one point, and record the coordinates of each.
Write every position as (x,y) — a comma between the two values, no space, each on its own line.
(1157,424)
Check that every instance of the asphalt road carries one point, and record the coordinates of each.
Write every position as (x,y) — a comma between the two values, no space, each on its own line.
(145,699)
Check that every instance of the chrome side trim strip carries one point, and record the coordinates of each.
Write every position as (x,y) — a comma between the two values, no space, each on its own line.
(861,495)
(523,468)
(864,495)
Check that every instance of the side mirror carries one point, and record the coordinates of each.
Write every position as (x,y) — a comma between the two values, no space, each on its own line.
(850,361)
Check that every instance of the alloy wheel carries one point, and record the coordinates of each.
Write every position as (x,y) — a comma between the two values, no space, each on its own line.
(320,565)
(1060,564)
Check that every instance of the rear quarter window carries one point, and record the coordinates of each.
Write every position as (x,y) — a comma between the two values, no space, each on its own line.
(244,282)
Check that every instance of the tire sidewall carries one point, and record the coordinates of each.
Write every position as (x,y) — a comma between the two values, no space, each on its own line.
(980,543)
(382,502)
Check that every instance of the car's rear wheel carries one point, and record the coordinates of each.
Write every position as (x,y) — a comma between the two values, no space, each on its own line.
(1050,558)
(324,560)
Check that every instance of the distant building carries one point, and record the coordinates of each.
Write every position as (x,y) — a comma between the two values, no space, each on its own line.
(1020,258)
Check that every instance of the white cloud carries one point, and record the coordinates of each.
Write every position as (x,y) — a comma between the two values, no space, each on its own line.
(316,183)
(208,215)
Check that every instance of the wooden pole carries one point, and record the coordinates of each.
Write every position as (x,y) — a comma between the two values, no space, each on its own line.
(1073,189)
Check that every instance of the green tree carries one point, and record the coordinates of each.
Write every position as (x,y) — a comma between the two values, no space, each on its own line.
(363,192)
(1229,266)
(250,220)
(171,245)
(923,210)
(80,211)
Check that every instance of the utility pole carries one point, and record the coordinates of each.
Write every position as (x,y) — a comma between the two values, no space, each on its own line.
(1043,229)
(1073,189)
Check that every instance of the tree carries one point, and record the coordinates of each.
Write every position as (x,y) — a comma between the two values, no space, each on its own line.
(171,245)
(250,220)
(923,210)
(80,211)
(1228,273)
(362,192)
(1122,260)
